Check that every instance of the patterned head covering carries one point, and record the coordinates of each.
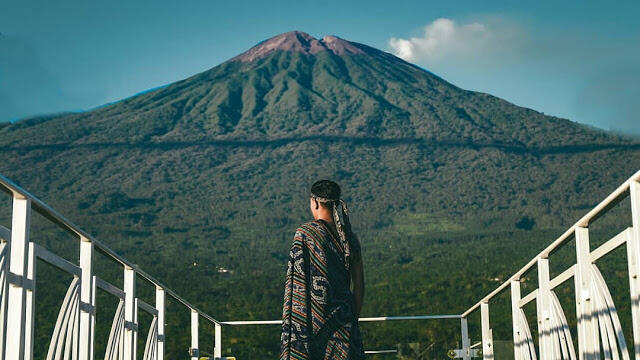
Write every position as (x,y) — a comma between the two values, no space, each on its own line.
(342,225)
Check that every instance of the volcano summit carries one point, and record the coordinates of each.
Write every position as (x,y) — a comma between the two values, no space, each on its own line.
(297,41)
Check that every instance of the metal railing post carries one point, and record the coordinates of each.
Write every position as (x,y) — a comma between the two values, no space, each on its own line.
(487,334)
(17,315)
(30,304)
(515,315)
(194,352)
(588,338)
(633,260)
(160,300)
(5,238)
(87,304)
(543,310)
(466,342)
(217,350)
(130,323)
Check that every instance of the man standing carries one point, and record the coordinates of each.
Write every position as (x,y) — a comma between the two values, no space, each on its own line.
(320,311)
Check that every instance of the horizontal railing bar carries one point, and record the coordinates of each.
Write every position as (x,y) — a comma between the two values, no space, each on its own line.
(603,206)
(527,299)
(366,319)
(146,307)
(367,352)
(564,276)
(611,245)
(421,317)
(252,322)
(56,260)
(113,290)
(69,226)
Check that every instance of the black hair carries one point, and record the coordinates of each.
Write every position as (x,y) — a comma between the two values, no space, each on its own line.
(326,189)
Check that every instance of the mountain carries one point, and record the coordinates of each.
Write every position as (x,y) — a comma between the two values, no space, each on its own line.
(293,86)
(214,170)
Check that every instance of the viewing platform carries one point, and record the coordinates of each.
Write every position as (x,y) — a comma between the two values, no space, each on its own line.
(599,331)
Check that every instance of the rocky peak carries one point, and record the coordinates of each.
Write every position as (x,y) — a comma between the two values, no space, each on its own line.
(298,41)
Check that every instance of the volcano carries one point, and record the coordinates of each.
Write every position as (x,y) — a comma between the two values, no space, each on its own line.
(215,169)
(295,86)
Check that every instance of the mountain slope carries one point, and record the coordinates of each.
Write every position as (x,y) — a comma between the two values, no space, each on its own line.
(214,170)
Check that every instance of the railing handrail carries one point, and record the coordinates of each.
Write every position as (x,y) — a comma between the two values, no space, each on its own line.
(620,193)
(42,208)
(362,319)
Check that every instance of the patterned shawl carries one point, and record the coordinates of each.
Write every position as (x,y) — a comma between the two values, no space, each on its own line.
(318,312)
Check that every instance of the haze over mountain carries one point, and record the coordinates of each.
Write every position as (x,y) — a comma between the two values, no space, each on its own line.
(215,169)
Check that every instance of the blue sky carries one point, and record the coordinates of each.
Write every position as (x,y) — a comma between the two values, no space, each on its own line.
(577,60)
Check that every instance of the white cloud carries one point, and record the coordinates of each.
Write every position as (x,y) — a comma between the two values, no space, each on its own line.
(584,74)
(444,38)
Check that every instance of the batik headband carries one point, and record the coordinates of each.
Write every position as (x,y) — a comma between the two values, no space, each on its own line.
(321,199)
(338,222)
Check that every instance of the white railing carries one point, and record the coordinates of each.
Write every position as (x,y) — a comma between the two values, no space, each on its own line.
(73,335)
(599,330)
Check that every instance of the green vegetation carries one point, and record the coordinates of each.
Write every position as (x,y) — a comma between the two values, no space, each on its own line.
(423,224)
(451,191)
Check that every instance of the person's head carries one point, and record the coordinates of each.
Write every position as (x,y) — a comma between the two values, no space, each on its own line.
(325,203)
(324,194)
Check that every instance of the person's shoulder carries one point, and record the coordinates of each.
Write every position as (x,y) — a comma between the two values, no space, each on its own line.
(309,230)
(303,233)
(316,224)
(308,226)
